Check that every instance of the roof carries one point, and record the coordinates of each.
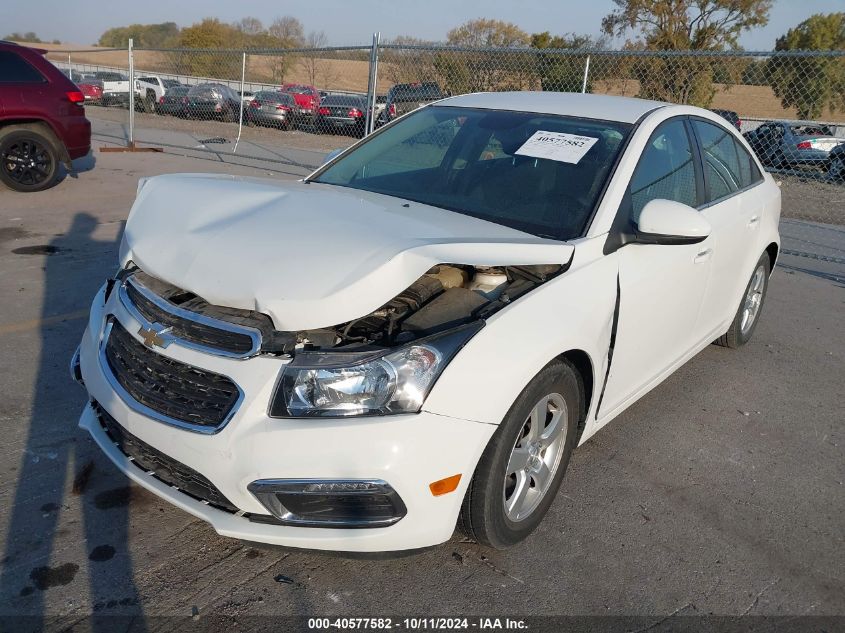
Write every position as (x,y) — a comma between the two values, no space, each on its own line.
(606,107)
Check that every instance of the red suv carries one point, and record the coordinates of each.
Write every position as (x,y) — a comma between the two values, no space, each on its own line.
(42,119)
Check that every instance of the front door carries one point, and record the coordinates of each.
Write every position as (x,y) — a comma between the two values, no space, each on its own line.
(660,286)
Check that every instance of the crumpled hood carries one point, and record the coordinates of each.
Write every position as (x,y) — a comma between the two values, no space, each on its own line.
(307,255)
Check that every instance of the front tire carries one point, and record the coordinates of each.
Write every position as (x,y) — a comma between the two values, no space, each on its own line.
(29,159)
(748,314)
(522,467)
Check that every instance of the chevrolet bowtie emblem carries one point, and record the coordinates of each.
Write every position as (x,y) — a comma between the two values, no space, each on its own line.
(151,338)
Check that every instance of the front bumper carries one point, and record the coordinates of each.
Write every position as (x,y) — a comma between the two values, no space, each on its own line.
(407,451)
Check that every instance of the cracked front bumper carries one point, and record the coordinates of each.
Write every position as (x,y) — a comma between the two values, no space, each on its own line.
(407,451)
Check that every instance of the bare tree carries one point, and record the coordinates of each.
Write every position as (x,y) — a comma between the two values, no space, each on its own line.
(288,30)
(312,62)
(250,26)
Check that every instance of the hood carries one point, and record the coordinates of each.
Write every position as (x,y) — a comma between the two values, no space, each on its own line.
(308,255)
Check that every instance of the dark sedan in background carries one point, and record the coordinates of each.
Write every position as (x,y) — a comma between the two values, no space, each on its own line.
(342,114)
(174,101)
(213,101)
(272,108)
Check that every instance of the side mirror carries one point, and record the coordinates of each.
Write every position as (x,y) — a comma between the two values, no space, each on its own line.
(670,222)
(332,155)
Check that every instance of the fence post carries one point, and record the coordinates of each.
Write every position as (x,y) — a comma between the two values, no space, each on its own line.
(586,74)
(131,96)
(241,118)
(369,123)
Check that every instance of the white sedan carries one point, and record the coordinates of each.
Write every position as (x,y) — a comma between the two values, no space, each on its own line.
(422,331)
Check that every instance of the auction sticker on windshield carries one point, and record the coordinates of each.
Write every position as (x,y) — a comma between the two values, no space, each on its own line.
(559,146)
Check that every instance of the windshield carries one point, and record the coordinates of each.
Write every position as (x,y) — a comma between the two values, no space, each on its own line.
(477,162)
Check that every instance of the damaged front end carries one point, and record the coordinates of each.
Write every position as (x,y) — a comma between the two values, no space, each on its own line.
(384,362)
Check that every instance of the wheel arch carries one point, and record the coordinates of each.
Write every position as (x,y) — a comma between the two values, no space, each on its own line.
(583,364)
(43,126)
(772,251)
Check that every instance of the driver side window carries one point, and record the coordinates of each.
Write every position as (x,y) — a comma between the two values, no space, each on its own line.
(666,169)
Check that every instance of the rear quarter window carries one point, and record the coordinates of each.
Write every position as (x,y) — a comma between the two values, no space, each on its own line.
(15,69)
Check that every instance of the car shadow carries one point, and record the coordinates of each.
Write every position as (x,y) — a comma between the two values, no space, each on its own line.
(78,166)
(61,477)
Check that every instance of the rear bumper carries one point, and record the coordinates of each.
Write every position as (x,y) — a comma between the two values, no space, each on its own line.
(77,137)
(407,451)
(268,117)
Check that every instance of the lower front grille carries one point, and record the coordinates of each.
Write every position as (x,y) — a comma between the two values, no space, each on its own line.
(164,468)
(173,392)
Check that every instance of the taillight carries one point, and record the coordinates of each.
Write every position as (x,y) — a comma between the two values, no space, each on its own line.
(392,109)
(254,104)
(75,96)
(161,99)
(354,112)
(804,145)
(324,111)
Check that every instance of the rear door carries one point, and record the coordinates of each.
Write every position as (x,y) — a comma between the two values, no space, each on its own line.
(734,209)
(660,286)
(24,89)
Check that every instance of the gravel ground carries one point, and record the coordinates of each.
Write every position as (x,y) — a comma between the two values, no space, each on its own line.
(721,492)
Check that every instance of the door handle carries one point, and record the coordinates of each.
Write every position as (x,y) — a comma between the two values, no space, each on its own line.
(754,221)
(702,256)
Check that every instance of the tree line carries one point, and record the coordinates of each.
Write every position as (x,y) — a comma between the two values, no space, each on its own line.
(524,60)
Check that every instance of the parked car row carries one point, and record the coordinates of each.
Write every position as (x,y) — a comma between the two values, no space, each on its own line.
(290,105)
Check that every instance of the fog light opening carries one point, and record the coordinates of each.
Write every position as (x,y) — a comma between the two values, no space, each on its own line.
(330,503)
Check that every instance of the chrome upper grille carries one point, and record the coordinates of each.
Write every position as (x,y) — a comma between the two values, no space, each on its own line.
(181,316)
(167,390)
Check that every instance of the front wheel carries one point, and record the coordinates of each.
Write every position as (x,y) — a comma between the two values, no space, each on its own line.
(523,465)
(748,314)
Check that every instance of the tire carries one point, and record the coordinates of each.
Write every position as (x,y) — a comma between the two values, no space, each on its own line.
(836,168)
(41,151)
(740,331)
(150,103)
(491,513)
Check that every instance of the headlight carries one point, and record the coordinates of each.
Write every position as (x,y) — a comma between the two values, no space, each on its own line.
(366,383)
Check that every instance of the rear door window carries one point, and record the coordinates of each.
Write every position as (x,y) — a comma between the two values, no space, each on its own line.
(728,166)
(14,69)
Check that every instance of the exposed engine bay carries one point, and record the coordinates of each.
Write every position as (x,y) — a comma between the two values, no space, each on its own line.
(446,296)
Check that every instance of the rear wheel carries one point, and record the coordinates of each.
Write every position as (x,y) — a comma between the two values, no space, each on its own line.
(836,167)
(522,467)
(748,313)
(29,159)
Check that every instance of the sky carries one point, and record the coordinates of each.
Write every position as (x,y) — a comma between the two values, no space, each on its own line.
(352,22)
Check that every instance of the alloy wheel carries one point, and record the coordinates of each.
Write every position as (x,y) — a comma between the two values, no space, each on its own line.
(753,300)
(535,457)
(27,162)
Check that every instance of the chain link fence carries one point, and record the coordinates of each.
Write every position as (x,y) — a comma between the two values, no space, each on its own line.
(290,106)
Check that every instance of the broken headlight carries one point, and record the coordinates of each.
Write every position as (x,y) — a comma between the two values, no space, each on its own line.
(331,383)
